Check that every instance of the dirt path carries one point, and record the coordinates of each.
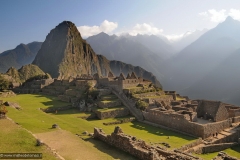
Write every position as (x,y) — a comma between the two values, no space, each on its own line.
(68,145)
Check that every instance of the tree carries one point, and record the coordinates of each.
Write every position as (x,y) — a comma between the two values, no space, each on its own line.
(4,84)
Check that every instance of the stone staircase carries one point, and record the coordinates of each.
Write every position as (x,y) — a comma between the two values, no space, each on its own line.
(130,105)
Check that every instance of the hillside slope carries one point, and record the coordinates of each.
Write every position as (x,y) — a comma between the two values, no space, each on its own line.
(23,54)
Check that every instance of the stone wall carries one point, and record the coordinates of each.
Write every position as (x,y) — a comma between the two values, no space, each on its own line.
(137,147)
(224,156)
(214,110)
(109,104)
(191,145)
(175,121)
(180,122)
(103,92)
(236,119)
(216,127)
(221,114)
(214,148)
(233,137)
(112,113)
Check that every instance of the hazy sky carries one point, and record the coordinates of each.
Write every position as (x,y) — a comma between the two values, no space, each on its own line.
(24,21)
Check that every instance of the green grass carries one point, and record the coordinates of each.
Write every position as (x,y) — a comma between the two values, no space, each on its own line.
(109,97)
(31,118)
(110,109)
(15,139)
(180,98)
(109,101)
(234,151)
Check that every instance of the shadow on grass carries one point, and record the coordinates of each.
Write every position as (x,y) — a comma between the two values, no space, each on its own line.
(159,131)
(110,150)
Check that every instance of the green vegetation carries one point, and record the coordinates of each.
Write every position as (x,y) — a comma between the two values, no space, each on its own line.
(3,109)
(110,109)
(180,98)
(141,104)
(234,151)
(4,84)
(109,97)
(33,119)
(15,139)
(39,77)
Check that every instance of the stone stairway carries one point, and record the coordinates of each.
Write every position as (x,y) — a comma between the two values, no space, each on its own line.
(130,105)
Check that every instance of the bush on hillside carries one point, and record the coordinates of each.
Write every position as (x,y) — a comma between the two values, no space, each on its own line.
(142,105)
(4,84)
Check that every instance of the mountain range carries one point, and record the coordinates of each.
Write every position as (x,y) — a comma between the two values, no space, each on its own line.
(206,68)
(23,54)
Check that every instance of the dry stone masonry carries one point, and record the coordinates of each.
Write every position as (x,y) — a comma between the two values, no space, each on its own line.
(137,147)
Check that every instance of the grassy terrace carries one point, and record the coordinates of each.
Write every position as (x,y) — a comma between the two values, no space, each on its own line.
(109,97)
(33,119)
(110,109)
(15,139)
(234,151)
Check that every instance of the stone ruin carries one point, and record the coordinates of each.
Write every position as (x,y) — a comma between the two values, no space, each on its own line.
(224,156)
(200,118)
(137,147)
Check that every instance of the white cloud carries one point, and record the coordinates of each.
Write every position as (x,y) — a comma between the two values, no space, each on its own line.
(205,14)
(177,37)
(174,37)
(219,16)
(145,29)
(105,26)
(234,13)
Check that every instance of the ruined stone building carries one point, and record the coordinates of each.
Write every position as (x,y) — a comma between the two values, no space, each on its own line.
(137,147)
(214,110)
(204,119)
(121,82)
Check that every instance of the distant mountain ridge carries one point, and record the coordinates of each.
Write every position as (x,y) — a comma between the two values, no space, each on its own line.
(23,54)
(207,68)
(203,55)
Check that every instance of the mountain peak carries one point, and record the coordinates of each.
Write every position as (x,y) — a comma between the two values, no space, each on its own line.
(229,19)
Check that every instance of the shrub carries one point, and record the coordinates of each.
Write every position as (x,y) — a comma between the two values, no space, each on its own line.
(142,105)
(3,109)
(4,84)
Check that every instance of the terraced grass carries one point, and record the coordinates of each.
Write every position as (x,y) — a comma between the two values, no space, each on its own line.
(110,109)
(15,139)
(33,119)
(234,151)
(109,97)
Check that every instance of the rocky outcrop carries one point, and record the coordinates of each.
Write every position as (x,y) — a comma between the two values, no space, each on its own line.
(25,73)
(64,53)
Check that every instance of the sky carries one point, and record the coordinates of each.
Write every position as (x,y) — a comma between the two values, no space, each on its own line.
(25,21)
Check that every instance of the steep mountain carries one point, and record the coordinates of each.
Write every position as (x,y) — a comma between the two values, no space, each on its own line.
(24,73)
(202,56)
(187,39)
(23,54)
(223,83)
(64,53)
